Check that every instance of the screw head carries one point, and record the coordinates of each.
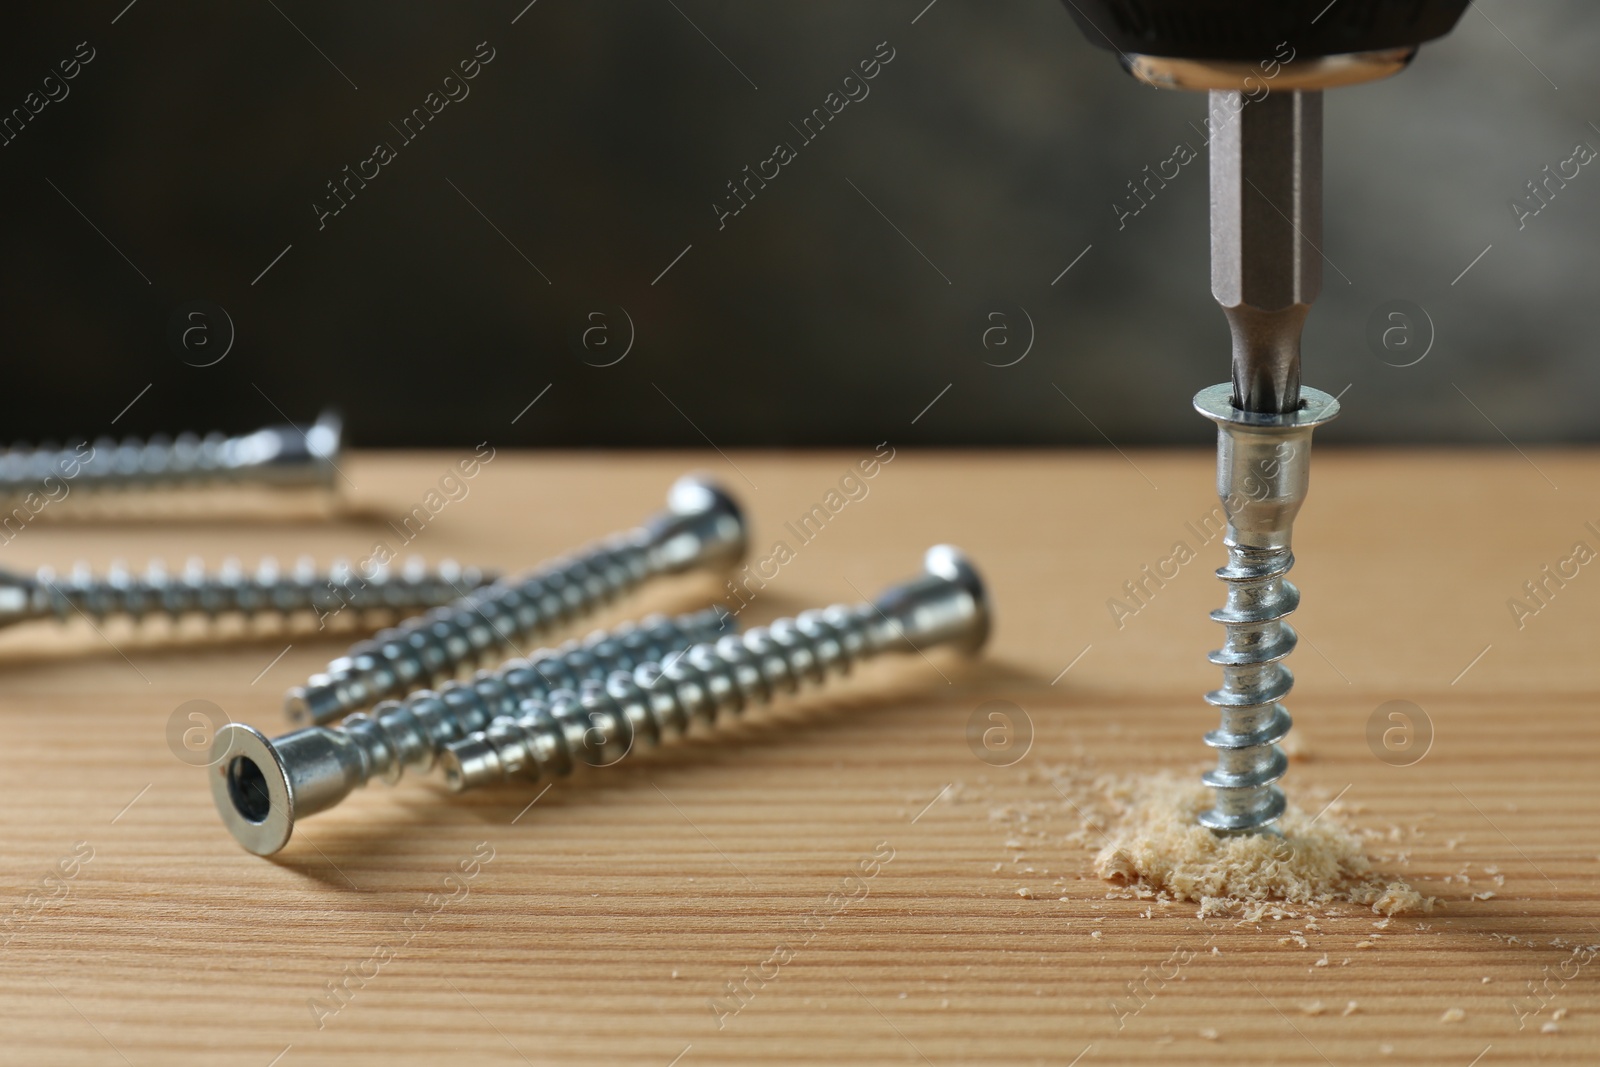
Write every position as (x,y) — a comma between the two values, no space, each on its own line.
(250,787)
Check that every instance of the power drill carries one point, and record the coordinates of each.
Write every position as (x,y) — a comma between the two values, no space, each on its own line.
(1264,64)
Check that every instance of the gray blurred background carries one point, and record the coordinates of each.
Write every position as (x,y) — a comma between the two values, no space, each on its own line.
(876,289)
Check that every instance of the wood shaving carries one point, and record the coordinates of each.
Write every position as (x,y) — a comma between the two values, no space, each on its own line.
(1155,845)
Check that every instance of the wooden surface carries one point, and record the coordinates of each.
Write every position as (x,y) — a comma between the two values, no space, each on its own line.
(618,907)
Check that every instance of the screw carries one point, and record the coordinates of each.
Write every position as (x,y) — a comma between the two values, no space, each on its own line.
(702,526)
(261,787)
(598,723)
(1263,472)
(273,455)
(230,590)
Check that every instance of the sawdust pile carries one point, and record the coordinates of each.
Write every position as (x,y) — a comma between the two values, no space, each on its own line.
(1154,846)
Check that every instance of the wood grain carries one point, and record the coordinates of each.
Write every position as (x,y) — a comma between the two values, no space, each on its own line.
(616,909)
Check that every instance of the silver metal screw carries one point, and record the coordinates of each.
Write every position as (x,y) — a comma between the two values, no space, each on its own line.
(261,787)
(702,526)
(599,722)
(230,590)
(273,455)
(1263,472)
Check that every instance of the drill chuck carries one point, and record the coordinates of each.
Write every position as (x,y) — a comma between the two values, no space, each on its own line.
(1254,29)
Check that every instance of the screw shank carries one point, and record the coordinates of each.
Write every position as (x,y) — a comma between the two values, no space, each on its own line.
(1266,229)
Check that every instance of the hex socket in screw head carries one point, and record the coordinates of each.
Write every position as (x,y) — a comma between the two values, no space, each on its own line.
(261,787)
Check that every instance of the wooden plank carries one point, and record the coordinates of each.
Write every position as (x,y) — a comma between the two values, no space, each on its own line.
(616,909)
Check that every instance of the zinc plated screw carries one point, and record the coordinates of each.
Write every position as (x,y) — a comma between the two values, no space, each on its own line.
(702,526)
(599,722)
(1263,473)
(261,787)
(272,455)
(230,590)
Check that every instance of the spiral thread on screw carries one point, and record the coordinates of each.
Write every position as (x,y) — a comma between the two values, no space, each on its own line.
(599,722)
(277,455)
(431,647)
(231,590)
(1254,682)
(396,735)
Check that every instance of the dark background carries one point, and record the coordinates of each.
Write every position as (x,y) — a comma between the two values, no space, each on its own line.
(454,289)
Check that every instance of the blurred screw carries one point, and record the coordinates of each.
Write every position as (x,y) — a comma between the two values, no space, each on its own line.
(272,455)
(230,590)
(1399,733)
(999,733)
(1400,333)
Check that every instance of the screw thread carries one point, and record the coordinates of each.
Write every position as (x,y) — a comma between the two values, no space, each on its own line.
(277,455)
(231,590)
(702,526)
(598,722)
(430,647)
(396,735)
(1254,682)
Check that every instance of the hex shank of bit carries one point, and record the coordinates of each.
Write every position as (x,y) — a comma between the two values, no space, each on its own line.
(261,787)
(1263,473)
(1266,233)
(274,455)
(702,526)
(598,723)
(230,590)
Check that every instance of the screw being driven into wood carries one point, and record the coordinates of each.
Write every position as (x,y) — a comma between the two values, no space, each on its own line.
(273,455)
(261,787)
(701,527)
(231,590)
(1263,472)
(598,723)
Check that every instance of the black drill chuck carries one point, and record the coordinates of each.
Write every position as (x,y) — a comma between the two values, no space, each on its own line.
(1256,29)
